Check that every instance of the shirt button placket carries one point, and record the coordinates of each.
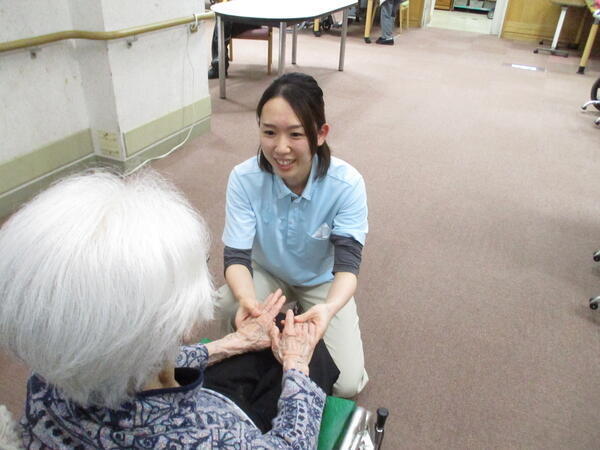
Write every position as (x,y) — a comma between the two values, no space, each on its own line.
(292,221)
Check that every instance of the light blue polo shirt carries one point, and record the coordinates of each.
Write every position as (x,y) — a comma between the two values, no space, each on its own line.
(289,234)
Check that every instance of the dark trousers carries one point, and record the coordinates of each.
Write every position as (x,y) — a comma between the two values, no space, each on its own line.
(253,381)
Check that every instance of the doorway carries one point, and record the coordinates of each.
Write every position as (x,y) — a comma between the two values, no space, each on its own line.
(476,16)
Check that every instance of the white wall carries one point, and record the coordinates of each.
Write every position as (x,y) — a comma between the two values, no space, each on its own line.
(102,85)
(428,8)
(499,15)
(41,99)
(161,72)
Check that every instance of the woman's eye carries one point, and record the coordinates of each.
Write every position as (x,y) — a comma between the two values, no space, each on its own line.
(268,133)
(297,135)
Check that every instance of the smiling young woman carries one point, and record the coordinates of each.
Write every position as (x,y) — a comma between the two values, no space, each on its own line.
(296,219)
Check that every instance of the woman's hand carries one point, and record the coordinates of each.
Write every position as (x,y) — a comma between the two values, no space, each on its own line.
(247,310)
(319,315)
(257,330)
(294,346)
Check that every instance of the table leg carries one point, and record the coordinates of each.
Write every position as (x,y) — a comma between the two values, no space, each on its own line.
(588,47)
(561,20)
(294,42)
(221,42)
(368,21)
(282,27)
(343,41)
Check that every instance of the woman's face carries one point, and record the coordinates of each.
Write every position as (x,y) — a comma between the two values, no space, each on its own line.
(284,143)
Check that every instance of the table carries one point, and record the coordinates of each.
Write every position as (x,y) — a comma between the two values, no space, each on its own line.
(277,13)
(591,37)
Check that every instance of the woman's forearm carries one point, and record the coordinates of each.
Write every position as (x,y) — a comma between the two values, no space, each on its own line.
(342,289)
(240,282)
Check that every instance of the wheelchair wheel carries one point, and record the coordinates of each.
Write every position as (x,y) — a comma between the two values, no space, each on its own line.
(595,92)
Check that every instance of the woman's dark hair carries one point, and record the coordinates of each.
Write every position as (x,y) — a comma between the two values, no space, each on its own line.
(305,97)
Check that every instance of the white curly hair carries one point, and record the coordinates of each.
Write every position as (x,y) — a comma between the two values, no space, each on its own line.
(101,277)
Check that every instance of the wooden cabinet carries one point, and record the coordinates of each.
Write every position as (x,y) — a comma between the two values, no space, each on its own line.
(536,19)
(443,4)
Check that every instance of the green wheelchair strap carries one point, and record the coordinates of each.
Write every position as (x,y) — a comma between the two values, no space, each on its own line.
(336,414)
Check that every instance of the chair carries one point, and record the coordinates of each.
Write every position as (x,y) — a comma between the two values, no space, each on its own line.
(564,6)
(403,12)
(595,301)
(257,34)
(595,102)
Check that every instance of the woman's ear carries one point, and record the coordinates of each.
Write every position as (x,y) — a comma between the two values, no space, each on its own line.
(322,134)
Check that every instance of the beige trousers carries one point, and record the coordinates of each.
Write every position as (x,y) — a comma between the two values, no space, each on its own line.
(342,336)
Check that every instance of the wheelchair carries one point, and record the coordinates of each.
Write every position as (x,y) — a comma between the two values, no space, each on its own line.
(346,426)
(595,301)
(595,102)
(326,23)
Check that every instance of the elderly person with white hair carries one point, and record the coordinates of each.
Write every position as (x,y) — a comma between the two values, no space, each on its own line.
(101,280)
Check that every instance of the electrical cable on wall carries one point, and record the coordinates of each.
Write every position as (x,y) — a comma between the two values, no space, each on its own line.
(178,146)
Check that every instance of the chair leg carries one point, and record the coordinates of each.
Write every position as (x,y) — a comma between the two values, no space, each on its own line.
(231,49)
(372,18)
(407,14)
(400,17)
(270,51)
(317,27)
(368,21)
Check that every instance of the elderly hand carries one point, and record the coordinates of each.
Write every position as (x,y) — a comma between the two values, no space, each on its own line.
(294,346)
(257,330)
(319,315)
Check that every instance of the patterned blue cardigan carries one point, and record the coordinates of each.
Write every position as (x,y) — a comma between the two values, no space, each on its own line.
(186,417)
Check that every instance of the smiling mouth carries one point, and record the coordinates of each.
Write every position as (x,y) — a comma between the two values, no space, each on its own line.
(284,164)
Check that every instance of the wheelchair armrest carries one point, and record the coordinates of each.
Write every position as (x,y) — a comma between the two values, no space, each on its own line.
(336,415)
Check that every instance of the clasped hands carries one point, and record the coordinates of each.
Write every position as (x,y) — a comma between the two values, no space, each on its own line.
(293,347)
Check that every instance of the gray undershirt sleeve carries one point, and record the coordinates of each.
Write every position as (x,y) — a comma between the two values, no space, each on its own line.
(347,254)
(237,256)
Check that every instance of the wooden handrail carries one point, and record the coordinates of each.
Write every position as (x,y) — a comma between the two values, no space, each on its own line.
(100,35)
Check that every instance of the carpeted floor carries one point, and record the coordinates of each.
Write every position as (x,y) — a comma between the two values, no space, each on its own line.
(484,209)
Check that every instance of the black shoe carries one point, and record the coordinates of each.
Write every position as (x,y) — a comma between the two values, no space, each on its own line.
(383,41)
(213,72)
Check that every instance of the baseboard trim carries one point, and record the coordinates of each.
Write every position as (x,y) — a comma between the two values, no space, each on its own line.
(146,135)
(11,200)
(45,160)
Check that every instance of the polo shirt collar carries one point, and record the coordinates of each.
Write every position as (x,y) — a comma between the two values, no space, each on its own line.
(283,190)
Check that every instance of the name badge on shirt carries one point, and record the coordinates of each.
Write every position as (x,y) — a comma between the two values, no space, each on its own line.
(323,232)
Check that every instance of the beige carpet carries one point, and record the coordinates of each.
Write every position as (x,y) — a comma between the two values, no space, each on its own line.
(484,211)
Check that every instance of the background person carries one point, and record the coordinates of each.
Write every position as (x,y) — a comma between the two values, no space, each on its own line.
(387,16)
(296,219)
(101,279)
